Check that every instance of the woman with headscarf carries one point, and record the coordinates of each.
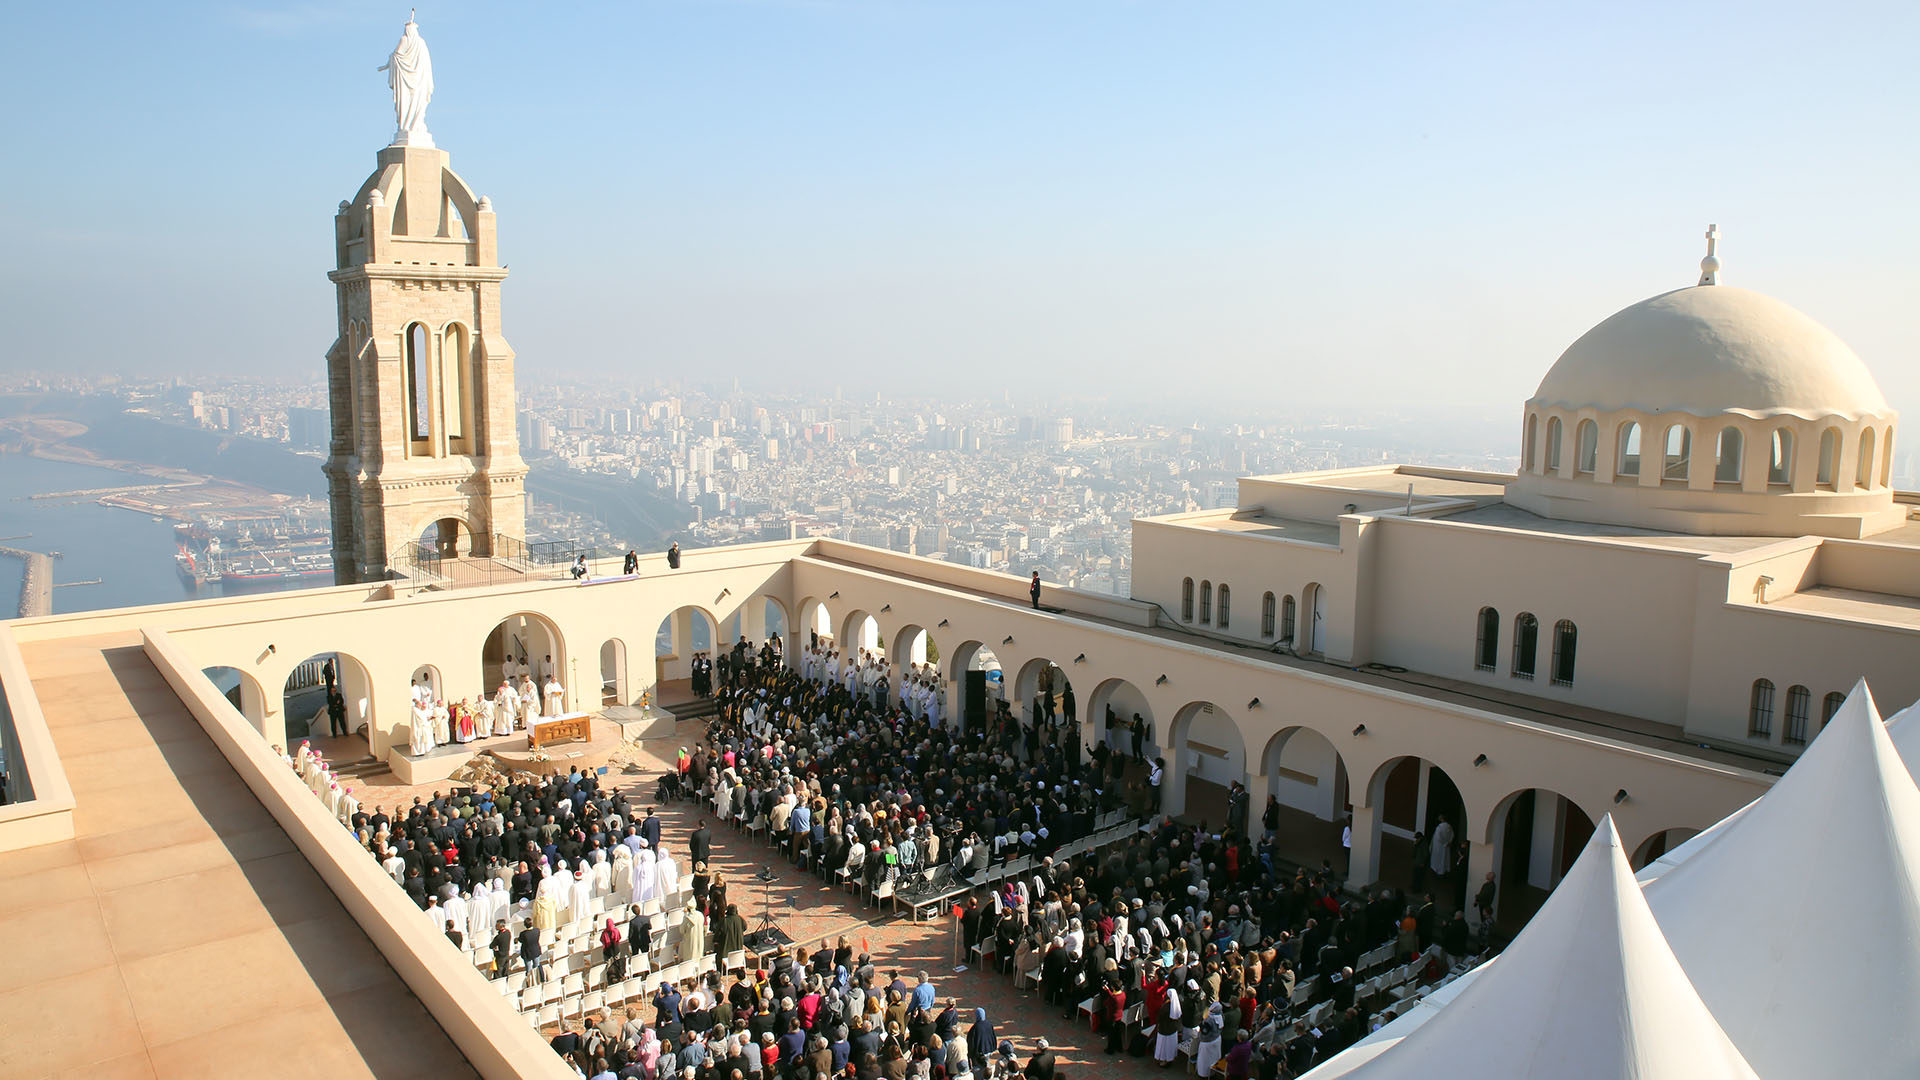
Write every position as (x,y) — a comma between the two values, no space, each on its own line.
(649,1054)
(981,1042)
(1207,1049)
(1166,1033)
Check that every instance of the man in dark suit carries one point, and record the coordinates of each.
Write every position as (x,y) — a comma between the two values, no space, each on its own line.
(650,830)
(530,953)
(673,555)
(502,948)
(1033,590)
(699,843)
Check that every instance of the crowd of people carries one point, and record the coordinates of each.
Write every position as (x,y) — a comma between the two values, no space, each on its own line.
(1192,942)
(1193,945)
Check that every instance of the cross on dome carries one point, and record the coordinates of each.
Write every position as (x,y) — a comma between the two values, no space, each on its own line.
(1710,266)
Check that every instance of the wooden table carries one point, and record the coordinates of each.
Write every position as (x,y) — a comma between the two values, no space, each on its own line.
(560,729)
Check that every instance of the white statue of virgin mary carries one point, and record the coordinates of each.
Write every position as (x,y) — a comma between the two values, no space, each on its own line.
(410,75)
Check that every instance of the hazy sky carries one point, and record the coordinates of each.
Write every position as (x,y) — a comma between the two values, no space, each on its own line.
(1261,202)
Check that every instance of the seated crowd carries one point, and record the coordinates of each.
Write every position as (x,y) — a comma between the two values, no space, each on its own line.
(1178,942)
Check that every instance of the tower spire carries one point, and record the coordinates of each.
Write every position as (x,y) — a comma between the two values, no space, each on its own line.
(1710,266)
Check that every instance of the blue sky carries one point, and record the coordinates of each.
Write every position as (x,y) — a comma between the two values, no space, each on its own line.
(1265,204)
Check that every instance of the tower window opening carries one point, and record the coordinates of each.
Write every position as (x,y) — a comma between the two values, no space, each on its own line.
(419,379)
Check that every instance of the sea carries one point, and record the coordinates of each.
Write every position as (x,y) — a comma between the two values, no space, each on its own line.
(130,553)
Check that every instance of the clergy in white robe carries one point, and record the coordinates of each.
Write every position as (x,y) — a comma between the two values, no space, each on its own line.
(646,882)
(602,874)
(442,726)
(665,869)
(480,914)
(455,908)
(555,696)
(349,806)
(580,896)
(506,708)
(420,734)
(529,701)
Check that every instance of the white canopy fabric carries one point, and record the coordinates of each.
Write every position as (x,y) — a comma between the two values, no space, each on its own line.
(1904,728)
(1799,921)
(1588,989)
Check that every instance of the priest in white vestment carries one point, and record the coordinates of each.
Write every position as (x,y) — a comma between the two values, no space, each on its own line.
(442,727)
(420,735)
(646,881)
(580,896)
(506,707)
(555,696)
(529,701)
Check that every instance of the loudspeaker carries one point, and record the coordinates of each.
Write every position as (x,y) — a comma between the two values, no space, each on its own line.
(975,711)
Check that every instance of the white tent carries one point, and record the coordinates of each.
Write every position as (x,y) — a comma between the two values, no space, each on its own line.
(1588,989)
(1799,921)
(1904,728)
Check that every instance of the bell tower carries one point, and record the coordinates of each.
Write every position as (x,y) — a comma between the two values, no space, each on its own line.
(420,380)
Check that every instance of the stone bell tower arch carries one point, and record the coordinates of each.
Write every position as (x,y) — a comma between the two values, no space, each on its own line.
(420,379)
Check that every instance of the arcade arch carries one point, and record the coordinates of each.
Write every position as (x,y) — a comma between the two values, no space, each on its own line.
(910,646)
(1043,679)
(243,691)
(686,630)
(614,689)
(1536,835)
(1410,795)
(1306,775)
(1126,701)
(525,644)
(303,700)
(1204,756)
(860,631)
(1659,844)
(969,657)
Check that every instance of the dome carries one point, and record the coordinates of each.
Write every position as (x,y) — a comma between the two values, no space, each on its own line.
(1710,350)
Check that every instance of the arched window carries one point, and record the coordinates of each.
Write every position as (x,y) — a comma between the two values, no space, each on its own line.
(1829,458)
(1886,458)
(1726,466)
(1526,644)
(1206,601)
(1799,704)
(1760,710)
(1527,450)
(1780,458)
(1186,600)
(1863,472)
(1830,705)
(1268,608)
(419,379)
(1678,454)
(1565,637)
(453,381)
(1629,464)
(1286,617)
(1486,645)
(1587,455)
(1553,444)
(1226,604)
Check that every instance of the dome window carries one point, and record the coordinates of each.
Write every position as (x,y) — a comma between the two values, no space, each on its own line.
(1527,453)
(1629,464)
(1726,467)
(1829,458)
(1679,451)
(1587,455)
(1863,472)
(1553,445)
(1780,458)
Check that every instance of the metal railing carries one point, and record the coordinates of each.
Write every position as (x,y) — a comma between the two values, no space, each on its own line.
(505,560)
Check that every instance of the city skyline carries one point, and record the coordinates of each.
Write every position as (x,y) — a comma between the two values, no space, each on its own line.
(915,198)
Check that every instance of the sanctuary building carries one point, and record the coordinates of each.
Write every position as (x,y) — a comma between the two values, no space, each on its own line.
(1699,556)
